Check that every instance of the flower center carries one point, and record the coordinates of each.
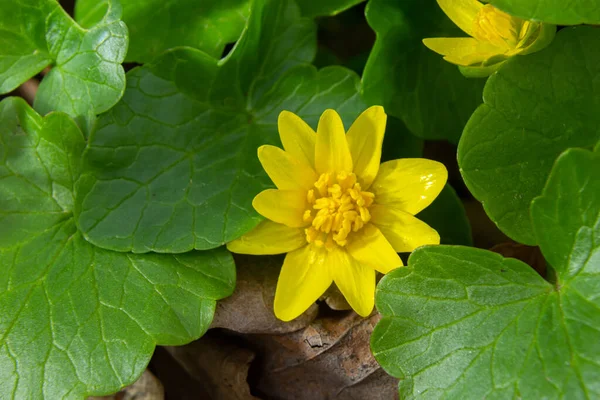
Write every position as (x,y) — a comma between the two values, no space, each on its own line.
(337,206)
(497,27)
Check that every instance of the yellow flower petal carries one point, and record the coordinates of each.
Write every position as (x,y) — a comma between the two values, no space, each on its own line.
(283,206)
(463,51)
(365,137)
(304,277)
(462,12)
(331,149)
(285,171)
(409,184)
(355,280)
(370,247)
(269,238)
(297,137)
(402,230)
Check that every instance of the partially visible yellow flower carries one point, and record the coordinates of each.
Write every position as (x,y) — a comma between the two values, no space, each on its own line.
(496,36)
(338,214)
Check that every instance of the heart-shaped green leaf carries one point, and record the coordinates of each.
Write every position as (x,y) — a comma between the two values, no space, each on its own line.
(466,322)
(75,319)
(555,12)
(157,25)
(86,76)
(173,167)
(535,107)
(413,83)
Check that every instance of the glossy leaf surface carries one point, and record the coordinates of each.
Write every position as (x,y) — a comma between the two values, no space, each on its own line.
(75,319)
(414,84)
(535,107)
(467,322)
(156,26)
(178,154)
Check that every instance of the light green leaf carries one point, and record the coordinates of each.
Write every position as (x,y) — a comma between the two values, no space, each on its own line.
(447,216)
(75,319)
(86,76)
(173,167)
(156,25)
(535,107)
(463,322)
(414,84)
(23,49)
(555,12)
(312,8)
(566,217)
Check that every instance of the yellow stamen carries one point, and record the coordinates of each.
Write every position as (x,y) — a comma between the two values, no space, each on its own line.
(307,217)
(341,208)
(310,196)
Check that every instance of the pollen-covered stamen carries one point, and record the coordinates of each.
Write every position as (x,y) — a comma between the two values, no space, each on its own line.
(497,27)
(337,207)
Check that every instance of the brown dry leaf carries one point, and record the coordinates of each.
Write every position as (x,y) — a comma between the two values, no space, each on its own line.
(250,308)
(335,299)
(147,387)
(218,364)
(329,359)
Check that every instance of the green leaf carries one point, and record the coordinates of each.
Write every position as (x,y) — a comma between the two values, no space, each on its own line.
(466,322)
(75,319)
(156,25)
(555,12)
(86,76)
(535,107)
(413,83)
(312,8)
(173,167)
(398,142)
(566,217)
(23,50)
(447,216)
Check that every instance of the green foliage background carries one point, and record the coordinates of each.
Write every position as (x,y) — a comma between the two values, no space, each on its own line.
(118,190)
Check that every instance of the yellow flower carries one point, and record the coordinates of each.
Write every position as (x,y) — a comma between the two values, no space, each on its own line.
(338,214)
(496,36)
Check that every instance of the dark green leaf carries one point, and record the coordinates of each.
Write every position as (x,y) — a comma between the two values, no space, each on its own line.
(312,8)
(535,107)
(398,142)
(173,166)
(555,12)
(414,84)
(447,216)
(75,319)
(156,25)
(86,78)
(465,322)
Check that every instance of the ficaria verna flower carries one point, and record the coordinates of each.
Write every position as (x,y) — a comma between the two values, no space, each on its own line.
(338,214)
(496,36)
